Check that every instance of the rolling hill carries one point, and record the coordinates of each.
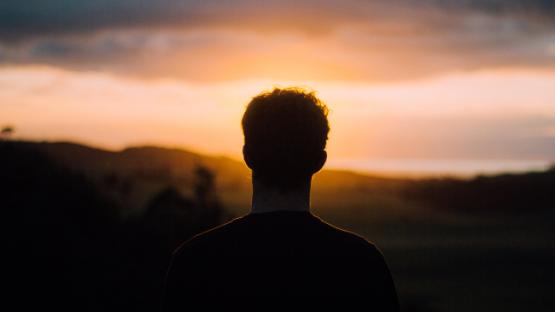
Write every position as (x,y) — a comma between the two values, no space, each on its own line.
(134,175)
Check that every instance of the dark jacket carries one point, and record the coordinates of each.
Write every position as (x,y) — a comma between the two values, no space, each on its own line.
(286,255)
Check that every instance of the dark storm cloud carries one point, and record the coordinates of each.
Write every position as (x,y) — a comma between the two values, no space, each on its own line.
(20,20)
(371,40)
(517,7)
(23,19)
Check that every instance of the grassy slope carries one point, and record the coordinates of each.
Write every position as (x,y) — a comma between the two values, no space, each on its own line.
(153,167)
(443,259)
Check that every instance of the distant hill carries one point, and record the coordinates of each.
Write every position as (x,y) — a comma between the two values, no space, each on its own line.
(146,159)
(95,228)
(140,171)
(133,175)
(150,168)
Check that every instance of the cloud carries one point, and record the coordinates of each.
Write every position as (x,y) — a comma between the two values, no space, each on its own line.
(24,19)
(36,18)
(325,40)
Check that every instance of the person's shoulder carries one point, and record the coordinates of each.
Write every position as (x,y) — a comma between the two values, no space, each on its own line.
(349,238)
(209,237)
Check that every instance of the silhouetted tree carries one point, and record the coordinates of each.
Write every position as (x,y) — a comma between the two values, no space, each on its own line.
(6,132)
(211,211)
(170,218)
(204,186)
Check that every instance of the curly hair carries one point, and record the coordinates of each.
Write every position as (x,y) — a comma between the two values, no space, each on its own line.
(286,131)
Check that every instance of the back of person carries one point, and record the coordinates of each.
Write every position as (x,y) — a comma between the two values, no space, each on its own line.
(280,248)
(284,254)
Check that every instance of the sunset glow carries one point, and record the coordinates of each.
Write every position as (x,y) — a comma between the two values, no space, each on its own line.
(432,83)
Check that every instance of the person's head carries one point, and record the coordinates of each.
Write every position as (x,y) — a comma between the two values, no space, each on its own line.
(285,137)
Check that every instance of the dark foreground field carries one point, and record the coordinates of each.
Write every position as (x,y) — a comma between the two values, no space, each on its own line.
(471,264)
(89,229)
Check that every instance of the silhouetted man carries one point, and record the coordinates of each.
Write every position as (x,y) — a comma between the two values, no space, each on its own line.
(280,249)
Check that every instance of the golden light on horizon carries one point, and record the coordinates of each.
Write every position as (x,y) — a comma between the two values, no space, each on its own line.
(369,120)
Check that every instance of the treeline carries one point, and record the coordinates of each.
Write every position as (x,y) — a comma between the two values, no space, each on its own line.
(506,193)
(67,247)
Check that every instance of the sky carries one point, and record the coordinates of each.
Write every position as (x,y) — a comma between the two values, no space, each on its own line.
(439,85)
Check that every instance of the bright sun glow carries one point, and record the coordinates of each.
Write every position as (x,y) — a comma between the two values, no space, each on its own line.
(457,114)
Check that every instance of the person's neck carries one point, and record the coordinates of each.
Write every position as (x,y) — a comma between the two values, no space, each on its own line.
(270,199)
